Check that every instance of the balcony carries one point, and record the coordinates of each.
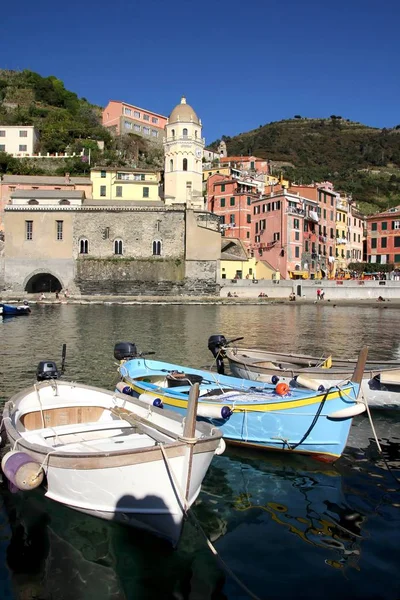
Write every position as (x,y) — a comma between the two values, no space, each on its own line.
(312,216)
(341,240)
(291,210)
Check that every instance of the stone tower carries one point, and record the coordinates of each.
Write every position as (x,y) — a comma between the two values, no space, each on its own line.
(183,147)
(222,149)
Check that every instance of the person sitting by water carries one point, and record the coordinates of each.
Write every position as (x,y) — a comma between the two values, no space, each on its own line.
(229,295)
(380,299)
(292,296)
(42,296)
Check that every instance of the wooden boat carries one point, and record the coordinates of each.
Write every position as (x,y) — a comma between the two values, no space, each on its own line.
(250,413)
(9,310)
(107,454)
(380,385)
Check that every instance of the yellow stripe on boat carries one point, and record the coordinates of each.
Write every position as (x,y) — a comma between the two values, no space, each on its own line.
(242,406)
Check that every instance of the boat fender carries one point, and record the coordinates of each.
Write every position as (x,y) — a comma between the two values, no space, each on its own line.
(123,388)
(22,470)
(347,413)
(151,400)
(220,448)
(282,389)
(274,379)
(214,412)
(309,383)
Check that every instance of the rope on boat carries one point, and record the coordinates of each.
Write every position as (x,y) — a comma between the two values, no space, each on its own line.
(376,437)
(189,514)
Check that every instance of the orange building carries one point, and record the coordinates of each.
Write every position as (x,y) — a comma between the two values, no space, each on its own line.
(383,238)
(246,163)
(121,117)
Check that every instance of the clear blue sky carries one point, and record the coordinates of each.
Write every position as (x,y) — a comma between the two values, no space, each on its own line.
(240,64)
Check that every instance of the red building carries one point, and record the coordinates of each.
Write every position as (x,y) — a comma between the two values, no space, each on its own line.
(232,199)
(284,233)
(383,238)
(246,163)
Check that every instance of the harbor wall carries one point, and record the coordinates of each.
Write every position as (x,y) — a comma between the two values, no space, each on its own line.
(334,290)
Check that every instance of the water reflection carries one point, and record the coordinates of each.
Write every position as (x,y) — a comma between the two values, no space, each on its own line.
(287,527)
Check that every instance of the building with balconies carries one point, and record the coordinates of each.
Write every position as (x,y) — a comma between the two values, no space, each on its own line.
(120,184)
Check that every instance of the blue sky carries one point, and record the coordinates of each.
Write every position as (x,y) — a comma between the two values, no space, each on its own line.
(239,64)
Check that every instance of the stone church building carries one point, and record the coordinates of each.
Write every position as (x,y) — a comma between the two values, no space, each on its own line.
(61,240)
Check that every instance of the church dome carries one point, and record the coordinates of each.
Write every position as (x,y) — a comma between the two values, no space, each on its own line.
(184,113)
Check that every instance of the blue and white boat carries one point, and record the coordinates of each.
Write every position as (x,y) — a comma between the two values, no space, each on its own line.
(250,413)
(9,310)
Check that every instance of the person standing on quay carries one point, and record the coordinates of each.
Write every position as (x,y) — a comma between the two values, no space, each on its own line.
(318,294)
(321,294)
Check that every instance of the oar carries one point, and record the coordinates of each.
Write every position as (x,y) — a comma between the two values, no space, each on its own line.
(189,432)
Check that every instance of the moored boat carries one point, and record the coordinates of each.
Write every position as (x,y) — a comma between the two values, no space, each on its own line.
(9,310)
(380,384)
(249,413)
(107,454)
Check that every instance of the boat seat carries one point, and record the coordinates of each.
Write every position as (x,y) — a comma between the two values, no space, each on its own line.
(78,428)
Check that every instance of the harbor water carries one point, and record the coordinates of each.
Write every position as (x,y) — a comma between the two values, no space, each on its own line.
(286,526)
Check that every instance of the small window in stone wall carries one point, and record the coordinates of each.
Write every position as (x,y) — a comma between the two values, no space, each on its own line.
(156,248)
(83,246)
(118,247)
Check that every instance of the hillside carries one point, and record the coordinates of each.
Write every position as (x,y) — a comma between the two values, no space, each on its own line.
(65,123)
(358,159)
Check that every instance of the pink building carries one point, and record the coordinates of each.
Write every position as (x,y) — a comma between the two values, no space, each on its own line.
(231,199)
(246,163)
(121,118)
(13,183)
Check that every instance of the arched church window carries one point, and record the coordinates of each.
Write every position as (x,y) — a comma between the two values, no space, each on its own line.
(171,165)
(118,247)
(83,246)
(173,133)
(185,132)
(33,202)
(195,134)
(156,248)
(64,202)
(185,164)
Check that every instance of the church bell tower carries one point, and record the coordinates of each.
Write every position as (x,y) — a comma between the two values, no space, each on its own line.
(183,168)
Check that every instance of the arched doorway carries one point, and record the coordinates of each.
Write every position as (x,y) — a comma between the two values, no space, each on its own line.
(43,282)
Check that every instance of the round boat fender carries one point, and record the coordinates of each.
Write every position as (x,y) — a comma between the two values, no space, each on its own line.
(221,447)
(213,412)
(282,389)
(22,470)
(151,400)
(123,388)
(311,384)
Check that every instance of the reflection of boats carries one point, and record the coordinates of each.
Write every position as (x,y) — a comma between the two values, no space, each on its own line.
(292,502)
(9,310)
(249,413)
(108,455)
(381,381)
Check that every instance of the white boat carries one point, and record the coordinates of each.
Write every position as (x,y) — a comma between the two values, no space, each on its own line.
(380,384)
(108,454)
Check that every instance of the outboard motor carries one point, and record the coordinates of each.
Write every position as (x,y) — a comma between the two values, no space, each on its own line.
(47,369)
(215,345)
(125,351)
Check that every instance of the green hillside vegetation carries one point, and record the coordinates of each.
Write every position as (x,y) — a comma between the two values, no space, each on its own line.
(361,160)
(66,123)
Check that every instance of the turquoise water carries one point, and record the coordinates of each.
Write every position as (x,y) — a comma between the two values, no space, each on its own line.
(288,527)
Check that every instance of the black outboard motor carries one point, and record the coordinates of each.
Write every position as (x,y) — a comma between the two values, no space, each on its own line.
(47,369)
(215,345)
(125,351)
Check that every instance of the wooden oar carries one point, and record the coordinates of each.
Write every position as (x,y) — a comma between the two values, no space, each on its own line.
(189,432)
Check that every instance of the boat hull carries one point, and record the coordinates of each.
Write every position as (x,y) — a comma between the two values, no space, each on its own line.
(13,311)
(298,422)
(377,395)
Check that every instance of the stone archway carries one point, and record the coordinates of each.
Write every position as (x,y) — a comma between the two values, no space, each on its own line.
(42,282)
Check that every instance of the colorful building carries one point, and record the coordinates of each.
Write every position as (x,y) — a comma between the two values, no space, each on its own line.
(10,184)
(111,183)
(342,239)
(383,238)
(251,164)
(231,198)
(122,118)
(18,140)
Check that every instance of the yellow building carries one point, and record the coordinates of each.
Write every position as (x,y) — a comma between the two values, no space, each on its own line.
(236,264)
(228,171)
(112,183)
(342,258)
